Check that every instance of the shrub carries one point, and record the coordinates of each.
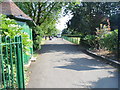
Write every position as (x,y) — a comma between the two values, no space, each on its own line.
(109,41)
(9,27)
(37,37)
(91,40)
(104,39)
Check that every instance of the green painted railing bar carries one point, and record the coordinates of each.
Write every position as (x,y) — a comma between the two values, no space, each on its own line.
(29,32)
(20,71)
(7,66)
(22,63)
(2,65)
(12,63)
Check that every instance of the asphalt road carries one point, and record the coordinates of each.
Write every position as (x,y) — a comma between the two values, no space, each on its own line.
(62,64)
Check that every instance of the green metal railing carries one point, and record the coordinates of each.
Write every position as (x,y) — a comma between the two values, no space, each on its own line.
(27,30)
(11,58)
(75,40)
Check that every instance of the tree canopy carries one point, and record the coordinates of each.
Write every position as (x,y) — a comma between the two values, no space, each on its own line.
(45,15)
(87,16)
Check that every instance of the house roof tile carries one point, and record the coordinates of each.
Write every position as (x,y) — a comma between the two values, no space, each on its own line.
(10,8)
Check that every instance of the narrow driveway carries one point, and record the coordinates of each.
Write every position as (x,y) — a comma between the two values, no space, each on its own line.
(62,64)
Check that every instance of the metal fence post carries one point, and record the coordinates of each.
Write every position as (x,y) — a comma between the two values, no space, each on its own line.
(0,62)
(20,72)
(22,62)
(2,66)
(11,63)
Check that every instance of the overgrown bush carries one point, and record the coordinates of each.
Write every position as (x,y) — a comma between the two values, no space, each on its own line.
(37,37)
(104,39)
(91,40)
(109,41)
(9,27)
(45,29)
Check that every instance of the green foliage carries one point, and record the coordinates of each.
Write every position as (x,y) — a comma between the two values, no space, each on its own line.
(103,40)
(41,11)
(38,34)
(48,27)
(9,27)
(45,15)
(91,40)
(45,29)
(89,15)
(109,41)
(65,31)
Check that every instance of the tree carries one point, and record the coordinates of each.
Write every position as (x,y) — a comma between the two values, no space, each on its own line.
(87,16)
(40,11)
(45,15)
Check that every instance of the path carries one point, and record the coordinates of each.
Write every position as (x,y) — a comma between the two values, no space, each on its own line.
(61,64)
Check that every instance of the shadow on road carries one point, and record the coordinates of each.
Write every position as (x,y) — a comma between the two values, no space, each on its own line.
(83,64)
(106,82)
(66,48)
(60,61)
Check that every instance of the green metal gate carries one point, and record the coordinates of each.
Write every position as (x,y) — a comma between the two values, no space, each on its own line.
(11,59)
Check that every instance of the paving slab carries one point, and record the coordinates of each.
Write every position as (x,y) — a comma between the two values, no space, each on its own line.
(62,64)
